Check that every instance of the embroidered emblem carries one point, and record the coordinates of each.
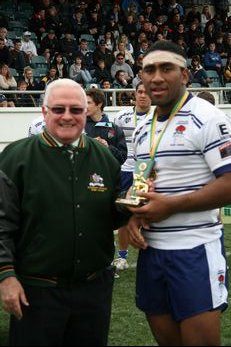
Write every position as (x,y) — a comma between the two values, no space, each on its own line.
(111,133)
(96,183)
(178,136)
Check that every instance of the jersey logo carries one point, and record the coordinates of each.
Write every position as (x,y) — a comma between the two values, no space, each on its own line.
(225,150)
(178,135)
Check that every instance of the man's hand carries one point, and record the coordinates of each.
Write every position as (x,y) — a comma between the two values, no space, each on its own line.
(135,237)
(12,296)
(104,142)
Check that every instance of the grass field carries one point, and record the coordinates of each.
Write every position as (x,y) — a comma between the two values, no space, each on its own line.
(128,325)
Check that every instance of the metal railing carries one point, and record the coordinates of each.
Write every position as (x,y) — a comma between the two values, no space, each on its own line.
(222,93)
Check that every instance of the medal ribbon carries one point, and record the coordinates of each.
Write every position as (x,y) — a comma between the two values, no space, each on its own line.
(176,108)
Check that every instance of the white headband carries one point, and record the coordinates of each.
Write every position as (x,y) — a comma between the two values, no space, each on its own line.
(164,57)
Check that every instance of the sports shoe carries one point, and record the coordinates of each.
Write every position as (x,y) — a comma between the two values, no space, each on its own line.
(116,275)
(121,264)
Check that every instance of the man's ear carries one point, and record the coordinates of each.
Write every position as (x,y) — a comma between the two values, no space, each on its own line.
(185,76)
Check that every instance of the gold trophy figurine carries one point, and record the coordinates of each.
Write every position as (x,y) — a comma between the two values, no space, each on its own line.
(143,170)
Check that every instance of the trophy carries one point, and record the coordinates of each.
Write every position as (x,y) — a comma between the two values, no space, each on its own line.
(143,170)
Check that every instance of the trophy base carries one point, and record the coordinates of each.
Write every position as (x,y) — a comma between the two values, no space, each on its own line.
(130,202)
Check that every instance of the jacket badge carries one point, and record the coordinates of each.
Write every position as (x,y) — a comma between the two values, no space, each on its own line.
(96,183)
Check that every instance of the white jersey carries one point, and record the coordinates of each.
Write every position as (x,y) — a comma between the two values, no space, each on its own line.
(194,150)
(37,126)
(127,120)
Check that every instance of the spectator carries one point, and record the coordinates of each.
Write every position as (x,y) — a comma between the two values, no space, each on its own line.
(4,53)
(18,58)
(212,61)
(54,21)
(4,102)
(109,39)
(106,84)
(130,28)
(52,75)
(24,100)
(122,49)
(172,6)
(3,35)
(50,42)
(37,23)
(121,82)
(28,46)
(100,128)
(197,74)
(94,25)
(206,16)
(138,78)
(28,77)
(7,81)
(68,46)
(227,70)
(61,66)
(78,25)
(193,15)
(198,47)
(101,72)
(120,64)
(86,53)
(78,71)
(127,44)
(103,53)
(112,26)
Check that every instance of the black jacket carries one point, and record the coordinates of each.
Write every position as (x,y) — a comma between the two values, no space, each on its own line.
(110,132)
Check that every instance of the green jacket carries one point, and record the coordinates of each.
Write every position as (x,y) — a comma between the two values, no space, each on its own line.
(67,210)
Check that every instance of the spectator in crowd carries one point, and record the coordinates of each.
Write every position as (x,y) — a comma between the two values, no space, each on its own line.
(113,26)
(51,42)
(7,81)
(100,128)
(109,39)
(130,28)
(3,35)
(4,53)
(197,74)
(227,70)
(122,49)
(173,5)
(120,64)
(51,76)
(86,53)
(76,289)
(127,120)
(206,16)
(198,47)
(61,65)
(138,78)
(4,102)
(210,33)
(54,21)
(220,47)
(124,98)
(78,71)
(23,100)
(106,84)
(28,77)
(37,23)
(193,15)
(18,58)
(103,53)
(28,46)
(68,46)
(127,44)
(94,24)
(143,47)
(101,72)
(212,61)
(78,24)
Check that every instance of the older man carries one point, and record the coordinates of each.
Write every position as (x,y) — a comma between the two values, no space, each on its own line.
(56,276)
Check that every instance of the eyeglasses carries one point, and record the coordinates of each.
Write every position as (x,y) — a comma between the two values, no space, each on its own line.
(61,109)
